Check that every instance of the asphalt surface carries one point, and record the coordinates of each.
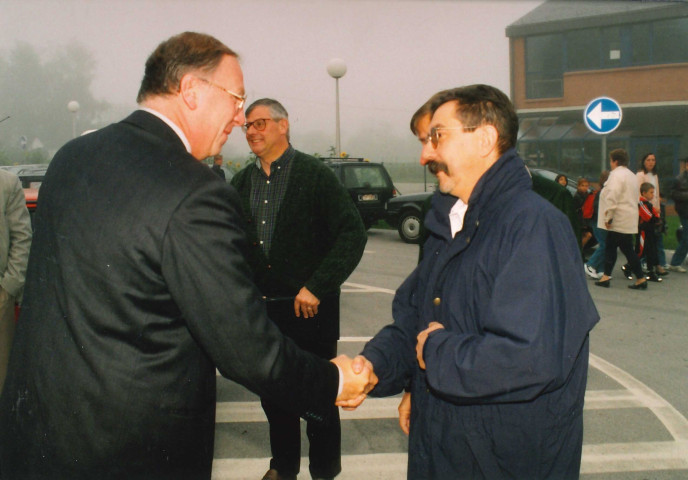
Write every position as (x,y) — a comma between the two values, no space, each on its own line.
(636,400)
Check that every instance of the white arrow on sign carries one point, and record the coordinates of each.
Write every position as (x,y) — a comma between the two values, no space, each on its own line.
(597,115)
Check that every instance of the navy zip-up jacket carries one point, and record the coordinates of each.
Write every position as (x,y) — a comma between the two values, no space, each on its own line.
(502,396)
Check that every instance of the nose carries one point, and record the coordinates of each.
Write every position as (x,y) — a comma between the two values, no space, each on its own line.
(427,154)
(240,118)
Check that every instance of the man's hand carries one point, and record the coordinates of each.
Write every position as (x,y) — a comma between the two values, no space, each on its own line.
(422,337)
(306,303)
(356,385)
(405,413)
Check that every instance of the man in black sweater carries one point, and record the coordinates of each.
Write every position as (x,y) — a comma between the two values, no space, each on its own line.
(306,237)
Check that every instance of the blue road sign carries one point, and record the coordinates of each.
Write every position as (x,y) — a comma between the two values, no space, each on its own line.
(602,115)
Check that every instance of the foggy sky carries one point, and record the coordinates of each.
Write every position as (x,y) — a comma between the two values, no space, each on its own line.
(397,53)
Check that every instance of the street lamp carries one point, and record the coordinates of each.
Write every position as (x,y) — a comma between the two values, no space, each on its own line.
(73,107)
(337,68)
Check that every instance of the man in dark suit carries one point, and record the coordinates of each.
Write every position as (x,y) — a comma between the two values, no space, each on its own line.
(127,310)
(306,238)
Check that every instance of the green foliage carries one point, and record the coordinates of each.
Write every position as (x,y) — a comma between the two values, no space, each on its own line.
(670,241)
(35,94)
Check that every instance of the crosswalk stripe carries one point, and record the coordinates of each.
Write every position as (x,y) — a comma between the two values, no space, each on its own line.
(377,466)
(372,408)
(603,458)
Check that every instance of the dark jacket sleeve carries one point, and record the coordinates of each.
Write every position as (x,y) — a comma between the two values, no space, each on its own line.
(392,351)
(225,312)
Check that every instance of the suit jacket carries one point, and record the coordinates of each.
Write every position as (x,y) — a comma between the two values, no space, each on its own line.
(15,234)
(137,289)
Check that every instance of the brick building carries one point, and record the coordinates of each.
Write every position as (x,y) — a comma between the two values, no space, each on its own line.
(566,53)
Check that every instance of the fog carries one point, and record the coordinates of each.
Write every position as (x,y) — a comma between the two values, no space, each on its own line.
(397,54)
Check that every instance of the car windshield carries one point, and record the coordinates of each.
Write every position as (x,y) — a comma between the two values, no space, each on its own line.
(365,177)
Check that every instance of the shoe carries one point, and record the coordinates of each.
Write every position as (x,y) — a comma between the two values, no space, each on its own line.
(603,283)
(638,286)
(663,272)
(626,269)
(591,272)
(273,474)
(677,268)
(653,277)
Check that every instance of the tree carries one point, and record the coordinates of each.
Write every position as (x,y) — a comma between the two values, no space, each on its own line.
(36,93)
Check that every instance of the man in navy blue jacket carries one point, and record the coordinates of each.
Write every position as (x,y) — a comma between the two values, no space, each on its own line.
(491,329)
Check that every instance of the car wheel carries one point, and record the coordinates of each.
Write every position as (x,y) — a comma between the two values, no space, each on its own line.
(409,227)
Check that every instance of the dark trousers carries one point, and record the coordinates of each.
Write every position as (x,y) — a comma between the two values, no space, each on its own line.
(285,432)
(646,246)
(624,242)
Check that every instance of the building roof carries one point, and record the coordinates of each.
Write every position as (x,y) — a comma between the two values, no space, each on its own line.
(558,15)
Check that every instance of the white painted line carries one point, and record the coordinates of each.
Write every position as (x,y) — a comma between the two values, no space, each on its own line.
(375,408)
(634,457)
(379,466)
(233,412)
(673,421)
(360,288)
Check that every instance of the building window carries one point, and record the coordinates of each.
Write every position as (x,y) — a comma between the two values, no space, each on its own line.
(583,49)
(641,44)
(670,40)
(544,66)
(612,52)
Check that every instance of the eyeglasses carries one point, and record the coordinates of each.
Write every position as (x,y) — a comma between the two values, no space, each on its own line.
(241,98)
(435,136)
(258,124)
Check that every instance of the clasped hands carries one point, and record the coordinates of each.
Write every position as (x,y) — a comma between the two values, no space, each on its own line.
(359,379)
(359,375)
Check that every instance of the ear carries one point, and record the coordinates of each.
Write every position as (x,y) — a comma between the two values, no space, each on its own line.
(188,91)
(283,125)
(488,138)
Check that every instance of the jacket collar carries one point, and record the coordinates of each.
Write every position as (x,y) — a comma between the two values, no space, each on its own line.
(506,178)
(155,126)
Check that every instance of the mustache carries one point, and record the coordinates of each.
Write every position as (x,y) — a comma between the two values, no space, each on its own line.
(435,167)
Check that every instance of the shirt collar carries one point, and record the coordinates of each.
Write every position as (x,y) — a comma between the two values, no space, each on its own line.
(282,161)
(171,124)
(456,216)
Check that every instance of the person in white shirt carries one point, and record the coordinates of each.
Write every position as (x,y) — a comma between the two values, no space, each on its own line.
(618,214)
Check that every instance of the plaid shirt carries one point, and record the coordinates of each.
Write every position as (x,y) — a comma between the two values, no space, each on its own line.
(267,193)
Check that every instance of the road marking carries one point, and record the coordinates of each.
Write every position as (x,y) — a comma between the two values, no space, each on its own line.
(377,466)
(349,287)
(672,419)
(597,458)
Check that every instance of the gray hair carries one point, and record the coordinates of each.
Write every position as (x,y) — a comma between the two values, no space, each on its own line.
(277,110)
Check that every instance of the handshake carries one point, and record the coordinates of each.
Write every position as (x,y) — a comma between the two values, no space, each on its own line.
(359,379)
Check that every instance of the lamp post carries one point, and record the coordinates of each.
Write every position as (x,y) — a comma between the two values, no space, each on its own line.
(337,68)
(73,107)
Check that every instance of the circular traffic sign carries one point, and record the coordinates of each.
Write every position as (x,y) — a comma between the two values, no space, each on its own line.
(602,115)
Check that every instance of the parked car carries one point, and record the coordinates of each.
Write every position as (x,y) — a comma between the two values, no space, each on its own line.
(31,177)
(404,211)
(368,183)
(550,175)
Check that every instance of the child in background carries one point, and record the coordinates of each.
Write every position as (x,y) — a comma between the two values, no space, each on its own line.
(595,264)
(582,193)
(649,222)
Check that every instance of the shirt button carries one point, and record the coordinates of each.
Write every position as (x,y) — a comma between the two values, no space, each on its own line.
(268,182)
(263,222)
(436,301)
(265,201)
(261,242)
